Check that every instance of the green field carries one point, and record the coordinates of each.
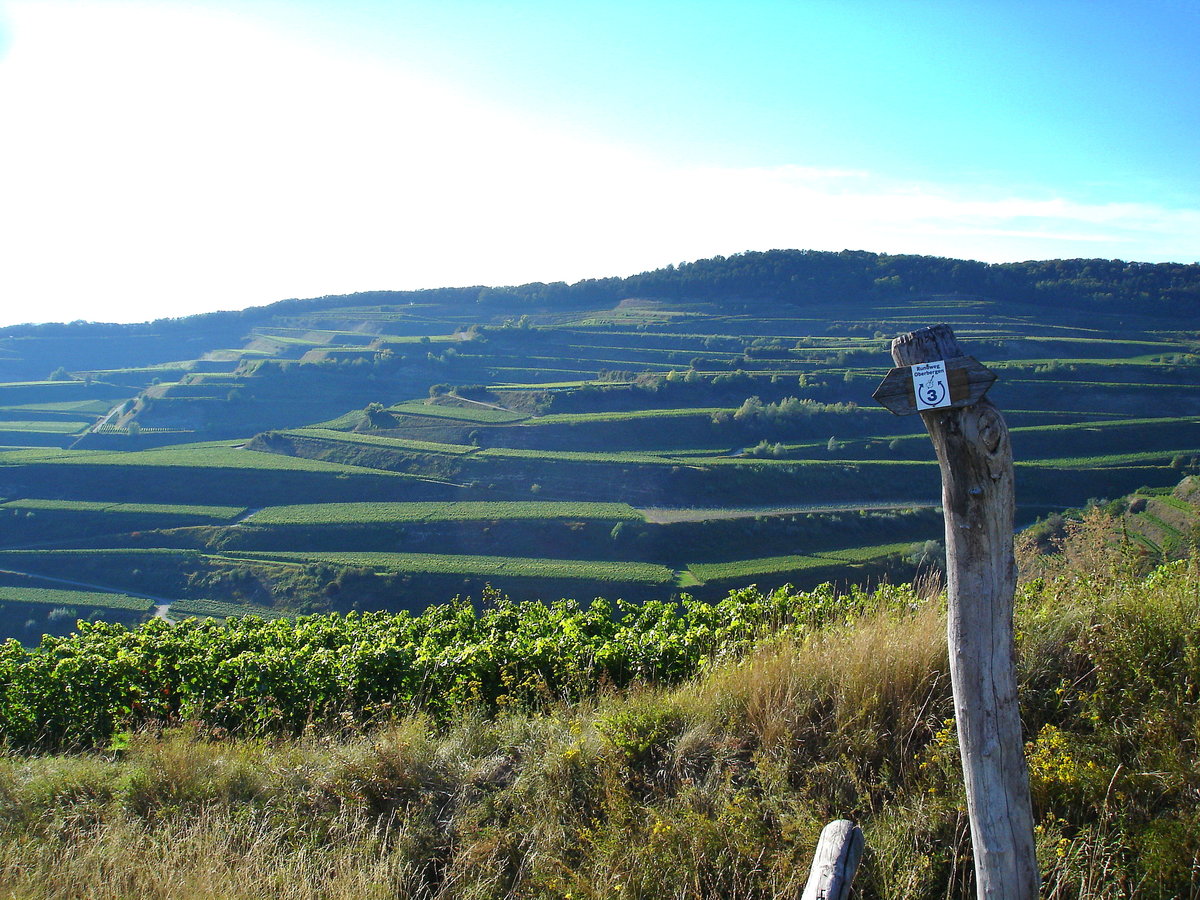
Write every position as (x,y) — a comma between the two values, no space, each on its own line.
(198,456)
(219,609)
(657,416)
(749,569)
(23,455)
(1151,460)
(215,513)
(864,554)
(386,449)
(469,413)
(578,456)
(366,513)
(56,426)
(752,568)
(66,408)
(481,566)
(391,443)
(77,599)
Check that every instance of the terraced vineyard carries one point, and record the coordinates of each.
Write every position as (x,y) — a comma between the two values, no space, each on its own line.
(632,440)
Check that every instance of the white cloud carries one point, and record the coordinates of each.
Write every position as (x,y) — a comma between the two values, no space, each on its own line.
(161,159)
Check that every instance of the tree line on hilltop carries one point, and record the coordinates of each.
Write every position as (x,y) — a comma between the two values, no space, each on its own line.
(789,276)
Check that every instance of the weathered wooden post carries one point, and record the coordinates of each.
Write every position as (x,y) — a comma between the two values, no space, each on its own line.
(835,861)
(973,449)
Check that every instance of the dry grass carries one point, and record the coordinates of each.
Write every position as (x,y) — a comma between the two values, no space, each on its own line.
(213,854)
(717,788)
(867,695)
(1091,547)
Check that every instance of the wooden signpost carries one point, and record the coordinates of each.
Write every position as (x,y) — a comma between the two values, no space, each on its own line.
(971,441)
(836,860)
(905,391)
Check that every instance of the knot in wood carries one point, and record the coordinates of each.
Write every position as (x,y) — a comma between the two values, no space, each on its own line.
(991,429)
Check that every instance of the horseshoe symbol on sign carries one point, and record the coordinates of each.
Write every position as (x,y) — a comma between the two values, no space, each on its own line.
(931,387)
(933,392)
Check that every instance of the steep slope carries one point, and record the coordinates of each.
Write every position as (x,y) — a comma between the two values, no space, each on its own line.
(726,403)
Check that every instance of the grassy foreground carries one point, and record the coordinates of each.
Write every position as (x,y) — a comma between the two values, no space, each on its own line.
(714,787)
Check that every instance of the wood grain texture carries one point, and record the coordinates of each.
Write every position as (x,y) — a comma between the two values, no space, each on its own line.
(975,454)
(834,862)
(969,380)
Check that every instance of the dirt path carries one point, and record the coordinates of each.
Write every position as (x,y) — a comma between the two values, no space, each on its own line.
(477,403)
(107,417)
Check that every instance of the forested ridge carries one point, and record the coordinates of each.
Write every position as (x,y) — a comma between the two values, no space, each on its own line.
(805,276)
(789,276)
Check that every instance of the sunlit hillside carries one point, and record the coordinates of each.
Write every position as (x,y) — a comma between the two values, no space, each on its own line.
(685,431)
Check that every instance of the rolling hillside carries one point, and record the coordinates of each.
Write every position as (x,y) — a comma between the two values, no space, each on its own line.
(687,430)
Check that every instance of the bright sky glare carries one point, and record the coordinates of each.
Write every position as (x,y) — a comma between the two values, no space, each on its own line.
(165,157)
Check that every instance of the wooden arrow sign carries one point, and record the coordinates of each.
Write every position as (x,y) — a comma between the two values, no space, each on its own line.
(945,384)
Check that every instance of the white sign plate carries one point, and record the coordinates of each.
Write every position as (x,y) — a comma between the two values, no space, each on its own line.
(930,385)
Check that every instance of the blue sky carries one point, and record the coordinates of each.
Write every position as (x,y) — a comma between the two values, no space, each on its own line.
(164,157)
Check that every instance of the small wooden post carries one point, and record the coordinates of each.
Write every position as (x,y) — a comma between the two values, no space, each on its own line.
(835,862)
(973,449)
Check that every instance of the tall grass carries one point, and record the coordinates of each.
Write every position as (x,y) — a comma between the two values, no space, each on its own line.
(716,788)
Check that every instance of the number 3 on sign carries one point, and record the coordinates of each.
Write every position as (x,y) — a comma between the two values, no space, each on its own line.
(930,386)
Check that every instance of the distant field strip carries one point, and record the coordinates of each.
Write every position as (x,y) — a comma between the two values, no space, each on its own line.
(628,416)
(863,554)
(484,415)
(48,454)
(1149,458)
(665,516)
(97,407)
(220,609)
(773,565)
(369,513)
(1156,423)
(1145,387)
(1142,360)
(31,392)
(206,456)
(524,386)
(479,566)
(748,568)
(60,426)
(581,456)
(1114,343)
(371,440)
(60,560)
(77,599)
(215,513)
